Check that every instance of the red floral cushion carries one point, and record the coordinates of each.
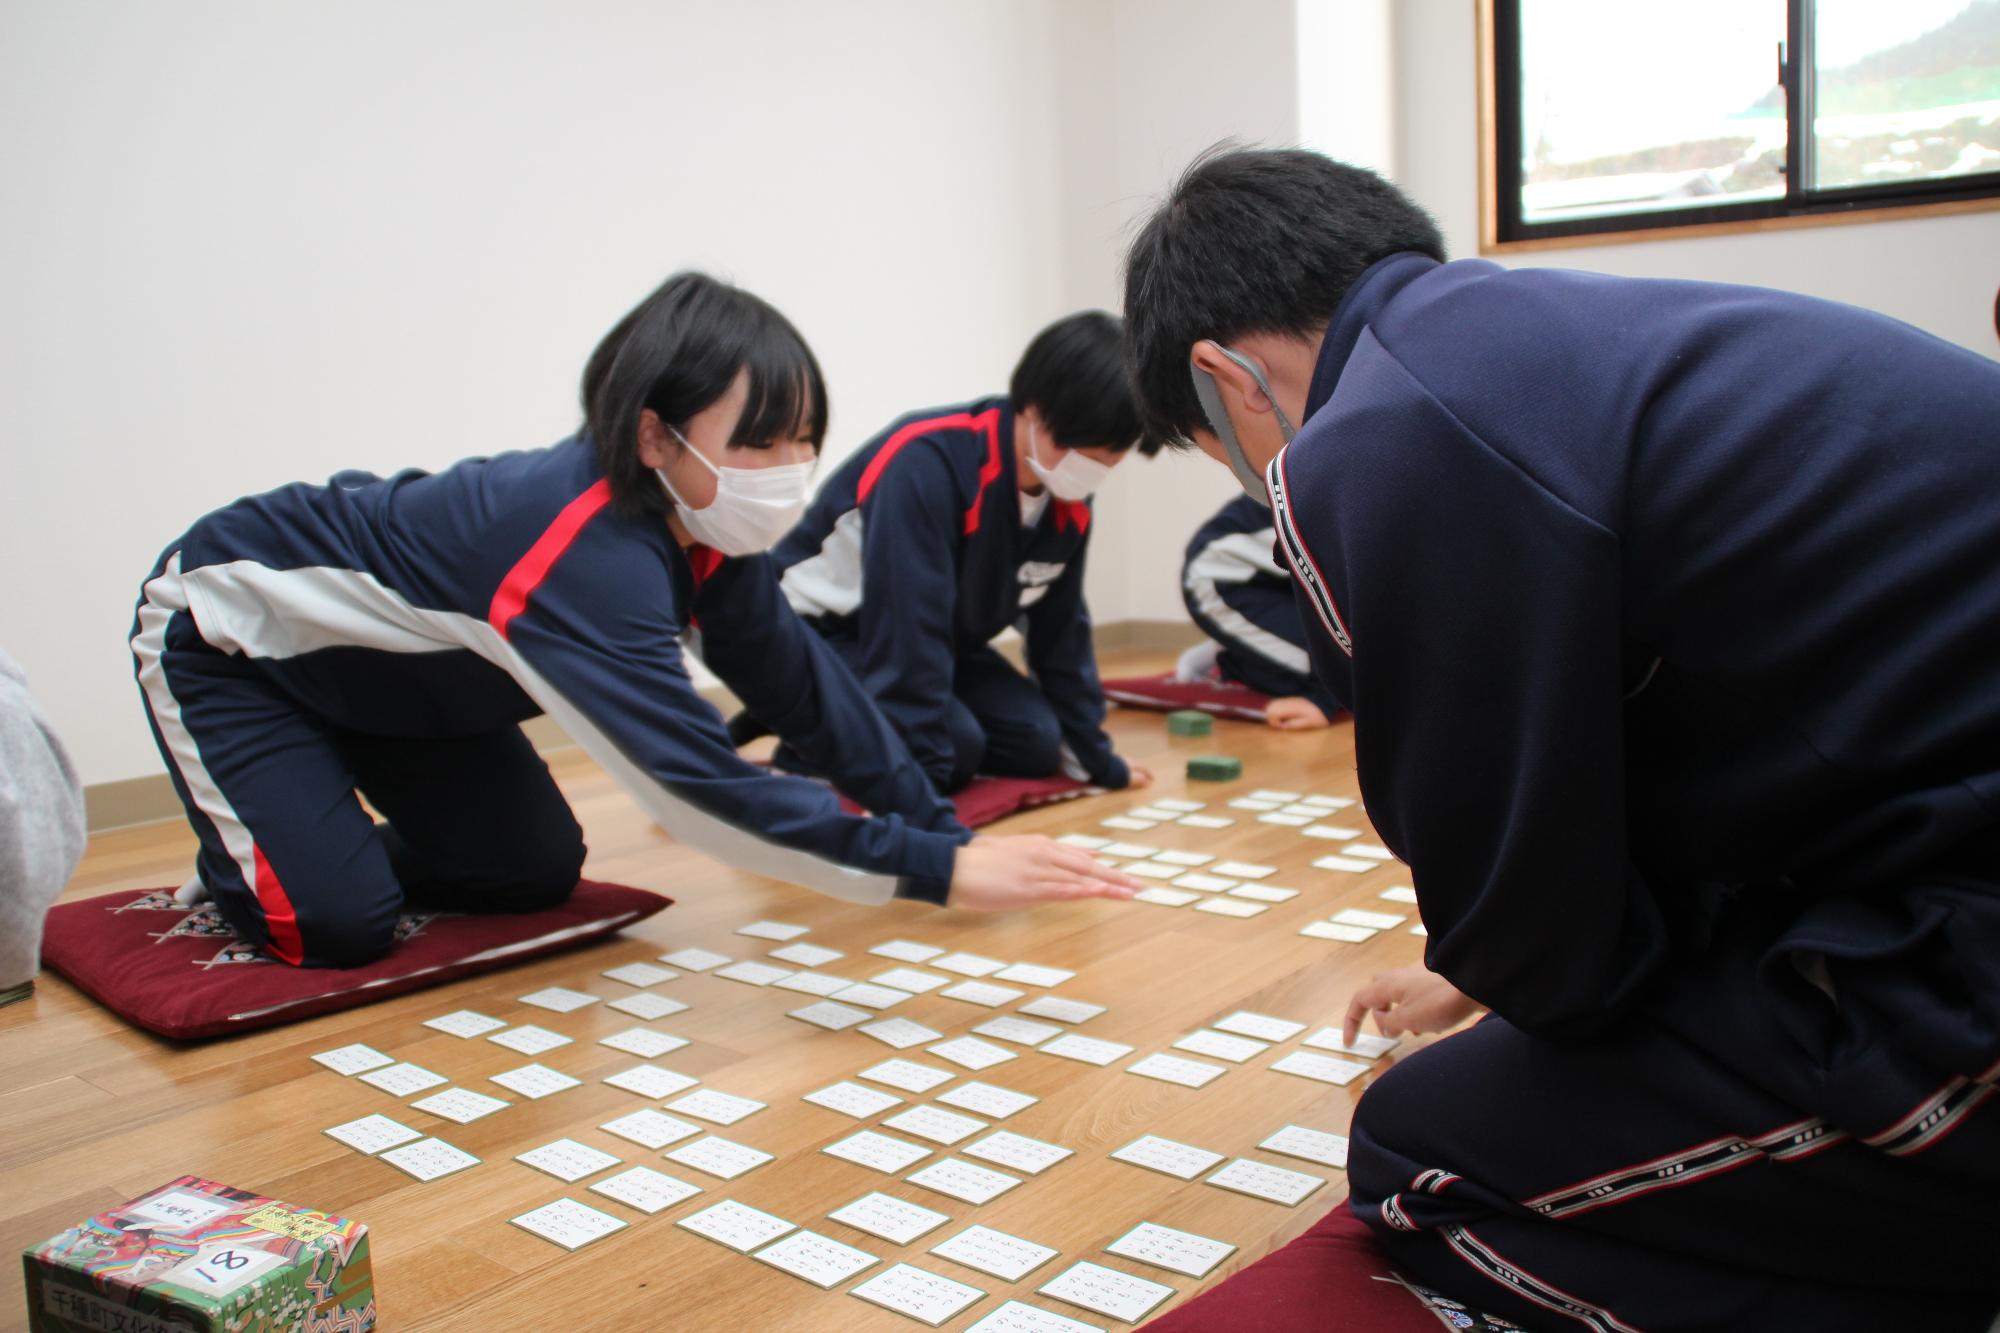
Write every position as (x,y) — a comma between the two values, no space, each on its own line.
(1165,694)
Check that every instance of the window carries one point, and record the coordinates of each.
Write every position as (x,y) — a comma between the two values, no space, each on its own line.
(1611,116)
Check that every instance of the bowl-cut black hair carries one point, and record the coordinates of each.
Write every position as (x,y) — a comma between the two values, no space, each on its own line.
(1075,375)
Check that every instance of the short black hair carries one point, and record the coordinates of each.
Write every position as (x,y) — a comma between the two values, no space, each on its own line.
(677,352)
(1252,240)
(1075,375)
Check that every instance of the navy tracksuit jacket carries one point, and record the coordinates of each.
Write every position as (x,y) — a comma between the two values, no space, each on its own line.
(1235,589)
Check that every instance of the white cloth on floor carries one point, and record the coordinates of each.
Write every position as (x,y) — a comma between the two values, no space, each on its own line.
(1198,664)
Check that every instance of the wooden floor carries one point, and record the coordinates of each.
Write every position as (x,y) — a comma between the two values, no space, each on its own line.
(93,1112)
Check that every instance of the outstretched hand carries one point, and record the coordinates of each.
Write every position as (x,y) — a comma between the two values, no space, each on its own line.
(1000,874)
(1295,713)
(1407,999)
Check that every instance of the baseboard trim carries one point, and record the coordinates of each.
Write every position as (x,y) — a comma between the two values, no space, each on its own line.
(148,800)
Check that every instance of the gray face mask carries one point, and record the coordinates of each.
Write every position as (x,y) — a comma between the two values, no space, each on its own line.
(1211,404)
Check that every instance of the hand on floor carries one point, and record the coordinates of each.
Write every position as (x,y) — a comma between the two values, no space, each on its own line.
(1138,776)
(999,874)
(1295,713)
(1408,999)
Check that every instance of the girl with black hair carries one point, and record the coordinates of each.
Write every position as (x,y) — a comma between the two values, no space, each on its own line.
(388,637)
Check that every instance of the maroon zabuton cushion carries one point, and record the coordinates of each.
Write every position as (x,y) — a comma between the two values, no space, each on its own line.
(1165,694)
(986,799)
(181,972)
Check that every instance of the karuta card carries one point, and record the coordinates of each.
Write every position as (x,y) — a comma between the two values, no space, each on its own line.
(853,1099)
(910,980)
(1331,832)
(1281,797)
(640,974)
(461,1105)
(568,1223)
(1261,1026)
(567,1160)
(987,1100)
(402,1080)
(1372,851)
(995,1253)
(651,1081)
(753,973)
(560,999)
(1252,803)
(529,1039)
(1176,1251)
(1015,1317)
(718,1108)
(1203,883)
(820,1260)
(736,1225)
(1020,1031)
(900,1033)
(877,1152)
(1326,930)
(644,1188)
(1260,1181)
(1184,859)
(1127,824)
(1153,813)
(1243,870)
(1366,1045)
(373,1133)
(1084,840)
(535,1081)
(1419,929)
(1204,821)
(427,1159)
(1090,1050)
(694,960)
(870,995)
(1017,1152)
(972,1053)
(1327,802)
(465,1023)
(1230,907)
(939,1126)
(806,955)
(644,1006)
(1182,1161)
(1324,1068)
(968,964)
(906,951)
(829,1014)
(352,1060)
(1179,807)
(1153,870)
(908,1075)
(1033,974)
(1106,1291)
(982,993)
(1221,1045)
(1061,1008)
(1263,893)
(962,1180)
(772,930)
(643,1042)
(1312,1145)
(1174,1069)
(1354,916)
(650,1128)
(1166,897)
(888,1217)
(1129,849)
(922,1295)
(1398,893)
(812,983)
(719,1157)
(1347,864)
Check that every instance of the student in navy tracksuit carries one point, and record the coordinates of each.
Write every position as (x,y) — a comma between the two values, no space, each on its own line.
(1669,614)
(388,637)
(1242,599)
(956,523)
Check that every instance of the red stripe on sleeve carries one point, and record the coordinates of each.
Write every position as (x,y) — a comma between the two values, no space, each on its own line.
(988,421)
(280,918)
(511,598)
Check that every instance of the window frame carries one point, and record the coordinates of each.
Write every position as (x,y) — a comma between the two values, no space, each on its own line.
(1501,229)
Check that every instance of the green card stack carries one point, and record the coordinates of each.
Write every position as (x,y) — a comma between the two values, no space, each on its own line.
(1189,722)
(1214,768)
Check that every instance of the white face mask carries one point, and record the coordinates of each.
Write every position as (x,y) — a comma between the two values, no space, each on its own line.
(1074,477)
(753,506)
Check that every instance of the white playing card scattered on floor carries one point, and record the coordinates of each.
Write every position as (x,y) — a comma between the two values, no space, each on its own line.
(651,1081)
(650,1128)
(1106,1291)
(1130,849)
(1280,817)
(906,951)
(806,955)
(1243,870)
(643,1042)
(1419,929)
(461,1105)
(962,1180)
(1230,907)
(753,973)
(1014,1317)
(982,993)
(567,1160)
(922,1295)
(639,974)
(910,980)
(1154,813)
(1327,802)
(644,1188)
(719,1157)
(372,1133)
(1281,797)
(1260,1181)
(1252,803)
(1175,1069)
(812,983)
(1347,864)
(1312,1145)
(972,1053)
(465,1023)
(427,1159)
(403,1079)
(1301,808)
(1354,916)
(1061,1008)
(1202,883)
(645,1006)
(1084,840)
(987,1100)
(1189,859)
(352,1060)
(560,999)
(530,1040)
(853,1099)
(1204,821)
(1261,1026)
(1221,1045)
(1179,806)
(995,1253)
(1033,974)
(1366,1045)
(1182,1161)
(718,1108)
(1021,1031)
(939,1126)
(535,1081)
(1090,1050)
(900,1033)
(877,1152)
(833,1016)
(1128,824)
(871,996)
(772,930)
(1322,1068)
(736,1225)
(1017,1152)
(1326,930)
(1331,832)
(1153,870)
(1166,897)
(888,1217)
(1176,1251)
(694,960)
(1263,893)
(568,1223)
(1398,893)
(908,1075)
(820,1260)
(1372,851)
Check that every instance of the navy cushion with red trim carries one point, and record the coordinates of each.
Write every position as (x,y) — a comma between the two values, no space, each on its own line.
(181,972)
(1165,694)
(987,799)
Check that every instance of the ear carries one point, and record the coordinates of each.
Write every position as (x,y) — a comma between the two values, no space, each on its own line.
(656,442)
(1234,381)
